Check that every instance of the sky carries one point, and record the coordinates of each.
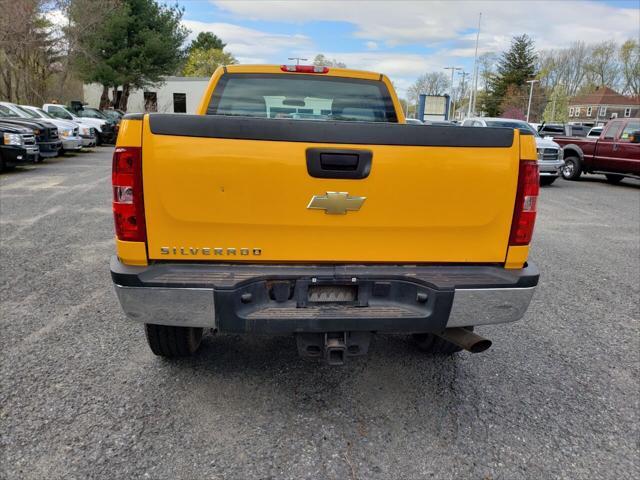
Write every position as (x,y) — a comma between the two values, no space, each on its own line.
(403,39)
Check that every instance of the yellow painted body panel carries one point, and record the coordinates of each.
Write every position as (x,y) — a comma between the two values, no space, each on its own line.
(424,204)
(132,253)
(517,256)
(528,150)
(230,200)
(130,133)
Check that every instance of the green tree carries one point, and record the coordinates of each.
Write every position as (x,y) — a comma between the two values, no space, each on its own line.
(557,109)
(207,41)
(321,61)
(515,67)
(202,63)
(29,52)
(136,45)
(630,64)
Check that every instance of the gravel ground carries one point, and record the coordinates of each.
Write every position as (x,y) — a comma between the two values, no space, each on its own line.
(82,397)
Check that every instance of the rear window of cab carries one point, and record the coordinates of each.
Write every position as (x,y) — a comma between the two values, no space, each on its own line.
(303,97)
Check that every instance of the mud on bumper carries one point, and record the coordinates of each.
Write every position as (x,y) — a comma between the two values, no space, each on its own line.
(279,299)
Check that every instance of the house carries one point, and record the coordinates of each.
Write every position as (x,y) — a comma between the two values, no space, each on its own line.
(602,105)
(173,95)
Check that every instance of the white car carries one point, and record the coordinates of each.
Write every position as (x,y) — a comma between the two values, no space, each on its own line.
(69,132)
(86,132)
(550,155)
(105,129)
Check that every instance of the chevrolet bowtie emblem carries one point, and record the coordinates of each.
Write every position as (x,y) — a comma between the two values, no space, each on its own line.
(336,203)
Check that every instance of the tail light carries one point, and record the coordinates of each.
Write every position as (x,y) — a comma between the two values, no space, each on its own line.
(524,214)
(128,201)
(304,69)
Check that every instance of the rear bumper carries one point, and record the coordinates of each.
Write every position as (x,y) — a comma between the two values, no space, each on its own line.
(273,299)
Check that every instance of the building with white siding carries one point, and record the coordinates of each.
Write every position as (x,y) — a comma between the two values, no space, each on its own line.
(174,95)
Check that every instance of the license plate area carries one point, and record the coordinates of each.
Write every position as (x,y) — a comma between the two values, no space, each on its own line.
(323,294)
(327,292)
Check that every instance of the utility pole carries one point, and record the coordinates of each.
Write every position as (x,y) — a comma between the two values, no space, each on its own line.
(474,91)
(530,82)
(453,69)
(462,84)
(298,59)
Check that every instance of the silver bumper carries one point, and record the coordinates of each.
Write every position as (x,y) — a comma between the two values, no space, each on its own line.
(550,168)
(485,306)
(71,143)
(180,307)
(195,307)
(88,141)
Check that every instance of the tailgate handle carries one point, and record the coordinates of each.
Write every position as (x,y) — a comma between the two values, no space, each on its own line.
(338,163)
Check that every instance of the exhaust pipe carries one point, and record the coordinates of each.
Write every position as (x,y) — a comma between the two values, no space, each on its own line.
(465,339)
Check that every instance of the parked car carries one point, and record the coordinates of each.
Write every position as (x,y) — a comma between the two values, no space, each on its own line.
(114,114)
(550,155)
(309,239)
(68,131)
(442,123)
(615,153)
(46,133)
(86,132)
(17,146)
(105,131)
(595,132)
(569,130)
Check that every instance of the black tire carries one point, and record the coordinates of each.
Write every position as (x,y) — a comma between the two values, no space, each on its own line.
(614,178)
(430,343)
(172,342)
(572,168)
(98,139)
(547,180)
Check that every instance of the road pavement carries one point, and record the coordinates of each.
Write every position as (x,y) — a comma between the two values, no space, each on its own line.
(82,397)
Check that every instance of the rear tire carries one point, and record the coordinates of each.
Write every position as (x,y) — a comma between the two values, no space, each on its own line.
(614,178)
(172,342)
(547,180)
(572,168)
(430,343)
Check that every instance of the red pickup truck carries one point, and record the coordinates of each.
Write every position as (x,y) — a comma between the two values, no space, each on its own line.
(616,153)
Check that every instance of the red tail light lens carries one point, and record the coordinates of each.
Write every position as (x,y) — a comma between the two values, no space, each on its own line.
(128,201)
(304,69)
(524,213)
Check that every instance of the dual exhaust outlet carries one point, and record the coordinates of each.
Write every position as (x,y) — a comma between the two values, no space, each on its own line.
(334,348)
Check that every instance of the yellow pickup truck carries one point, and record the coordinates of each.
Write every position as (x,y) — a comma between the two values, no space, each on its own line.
(298,201)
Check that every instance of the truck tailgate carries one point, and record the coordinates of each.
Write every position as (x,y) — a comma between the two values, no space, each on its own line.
(237,189)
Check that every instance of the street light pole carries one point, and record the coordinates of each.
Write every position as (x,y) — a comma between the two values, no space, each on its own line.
(462,84)
(453,69)
(472,99)
(531,82)
(298,59)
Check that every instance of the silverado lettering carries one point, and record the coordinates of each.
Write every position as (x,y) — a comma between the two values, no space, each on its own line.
(210,251)
(366,224)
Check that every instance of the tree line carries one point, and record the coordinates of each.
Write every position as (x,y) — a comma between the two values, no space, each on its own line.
(562,73)
(120,44)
